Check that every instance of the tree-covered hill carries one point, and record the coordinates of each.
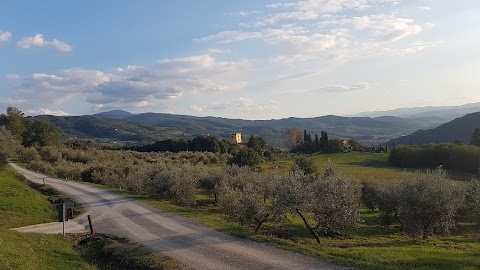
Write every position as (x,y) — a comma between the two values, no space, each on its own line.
(121,125)
(459,129)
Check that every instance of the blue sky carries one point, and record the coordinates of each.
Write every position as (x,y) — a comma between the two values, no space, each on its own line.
(238,59)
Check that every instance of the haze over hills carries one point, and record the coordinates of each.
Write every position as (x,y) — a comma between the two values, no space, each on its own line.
(429,113)
(459,129)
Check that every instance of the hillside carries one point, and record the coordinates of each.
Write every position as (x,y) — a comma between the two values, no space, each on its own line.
(115,129)
(459,129)
(432,114)
(121,125)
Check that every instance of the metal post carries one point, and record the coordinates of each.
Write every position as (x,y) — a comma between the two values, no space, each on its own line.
(64,216)
(90,224)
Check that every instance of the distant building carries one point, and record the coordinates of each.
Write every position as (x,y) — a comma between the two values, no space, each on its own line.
(235,138)
(346,146)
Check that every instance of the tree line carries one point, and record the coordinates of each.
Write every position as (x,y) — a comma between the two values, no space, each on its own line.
(461,157)
(307,144)
(15,129)
(252,153)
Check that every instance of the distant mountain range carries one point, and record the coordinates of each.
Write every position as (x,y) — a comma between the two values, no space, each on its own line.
(375,128)
(459,129)
(443,113)
(125,126)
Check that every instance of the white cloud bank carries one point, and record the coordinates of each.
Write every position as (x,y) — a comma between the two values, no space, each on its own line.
(134,86)
(39,41)
(43,111)
(326,30)
(238,105)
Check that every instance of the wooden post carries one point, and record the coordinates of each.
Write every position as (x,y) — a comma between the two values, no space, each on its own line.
(90,224)
(64,216)
(44,181)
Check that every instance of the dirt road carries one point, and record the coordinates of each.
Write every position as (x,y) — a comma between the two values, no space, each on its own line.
(192,244)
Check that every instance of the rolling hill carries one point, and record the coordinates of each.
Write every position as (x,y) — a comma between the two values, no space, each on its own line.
(459,129)
(121,125)
(434,114)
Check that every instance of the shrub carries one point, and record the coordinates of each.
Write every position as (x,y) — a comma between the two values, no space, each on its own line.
(473,197)
(28,154)
(50,154)
(41,166)
(335,204)
(369,196)
(423,203)
(306,165)
(246,157)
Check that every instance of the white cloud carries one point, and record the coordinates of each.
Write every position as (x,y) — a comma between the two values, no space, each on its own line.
(39,41)
(344,88)
(424,8)
(382,27)
(314,9)
(324,31)
(5,36)
(231,36)
(241,104)
(412,49)
(12,76)
(307,44)
(218,51)
(43,111)
(7,102)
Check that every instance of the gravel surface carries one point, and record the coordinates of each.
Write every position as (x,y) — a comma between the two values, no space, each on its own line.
(192,244)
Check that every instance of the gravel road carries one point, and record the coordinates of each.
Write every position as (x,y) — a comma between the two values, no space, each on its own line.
(192,244)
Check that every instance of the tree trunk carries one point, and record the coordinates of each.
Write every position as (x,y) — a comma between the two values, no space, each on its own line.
(398,219)
(260,222)
(312,231)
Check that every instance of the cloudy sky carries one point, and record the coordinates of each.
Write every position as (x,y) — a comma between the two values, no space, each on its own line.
(239,59)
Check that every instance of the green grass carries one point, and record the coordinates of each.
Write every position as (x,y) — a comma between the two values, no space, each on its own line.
(21,205)
(362,166)
(370,247)
(109,252)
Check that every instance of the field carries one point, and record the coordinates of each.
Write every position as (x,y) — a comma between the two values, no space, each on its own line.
(371,246)
(20,205)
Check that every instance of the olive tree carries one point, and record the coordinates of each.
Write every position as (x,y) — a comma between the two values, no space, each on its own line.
(335,204)
(326,204)
(473,196)
(423,203)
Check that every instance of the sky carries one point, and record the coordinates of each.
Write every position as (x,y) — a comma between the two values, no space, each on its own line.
(246,59)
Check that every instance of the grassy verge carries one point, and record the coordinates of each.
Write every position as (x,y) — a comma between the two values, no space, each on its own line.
(24,203)
(21,205)
(109,252)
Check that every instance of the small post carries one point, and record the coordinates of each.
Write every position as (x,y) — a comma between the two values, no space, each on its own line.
(44,181)
(64,216)
(90,224)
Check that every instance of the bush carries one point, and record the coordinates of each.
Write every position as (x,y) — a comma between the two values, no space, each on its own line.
(473,197)
(29,154)
(306,165)
(41,166)
(246,157)
(369,196)
(335,204)
(423,203)
(50,154)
